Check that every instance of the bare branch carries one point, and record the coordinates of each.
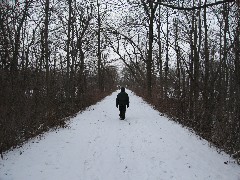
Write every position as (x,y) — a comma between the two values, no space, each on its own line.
(195,7)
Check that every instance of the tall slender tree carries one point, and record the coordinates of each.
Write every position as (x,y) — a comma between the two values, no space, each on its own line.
(150,9)
(99,55)
(46,48)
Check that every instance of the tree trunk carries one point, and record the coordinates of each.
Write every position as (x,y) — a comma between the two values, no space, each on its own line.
(150,10)
(68,49)
(160,54)
(100,81)
(191,74)
(46,53)
(206,123)
(167,59)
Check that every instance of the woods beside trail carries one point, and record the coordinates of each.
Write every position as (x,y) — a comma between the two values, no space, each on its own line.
(48,67)
(58,57)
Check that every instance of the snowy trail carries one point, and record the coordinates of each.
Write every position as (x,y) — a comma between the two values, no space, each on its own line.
(98,146)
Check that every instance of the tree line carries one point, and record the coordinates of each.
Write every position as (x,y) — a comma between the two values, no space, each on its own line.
(53,63)
(183,57)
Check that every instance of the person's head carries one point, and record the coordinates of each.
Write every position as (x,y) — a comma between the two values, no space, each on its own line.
(122,89)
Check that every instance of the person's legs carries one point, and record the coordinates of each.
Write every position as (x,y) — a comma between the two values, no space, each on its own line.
(122,111)
(123,114)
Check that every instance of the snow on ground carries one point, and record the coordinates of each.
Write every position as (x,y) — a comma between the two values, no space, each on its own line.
(99,146)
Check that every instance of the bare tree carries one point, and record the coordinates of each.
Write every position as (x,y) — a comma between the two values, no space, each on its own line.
(150,9)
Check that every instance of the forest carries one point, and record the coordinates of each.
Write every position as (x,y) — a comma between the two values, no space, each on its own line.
(182,56)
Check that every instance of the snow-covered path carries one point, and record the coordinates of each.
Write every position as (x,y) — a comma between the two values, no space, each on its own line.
(98,146)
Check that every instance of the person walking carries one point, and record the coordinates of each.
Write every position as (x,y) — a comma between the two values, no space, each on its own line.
(122,101)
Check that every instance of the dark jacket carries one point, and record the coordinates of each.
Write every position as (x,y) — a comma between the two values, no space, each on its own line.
(122,98)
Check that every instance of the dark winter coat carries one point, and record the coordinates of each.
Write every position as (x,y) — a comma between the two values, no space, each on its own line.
(122,98)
